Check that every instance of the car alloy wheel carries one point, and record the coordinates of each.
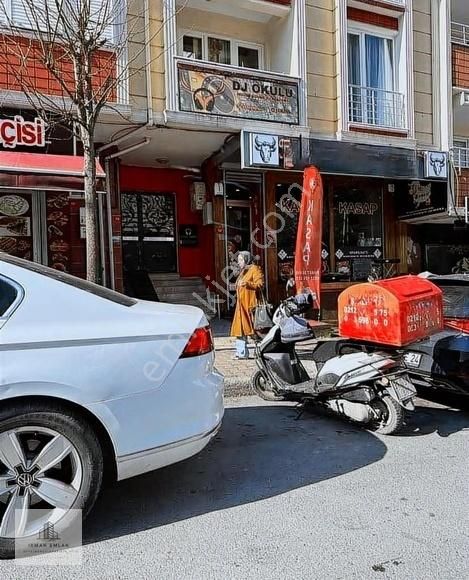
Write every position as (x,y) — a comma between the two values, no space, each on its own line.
(40,469)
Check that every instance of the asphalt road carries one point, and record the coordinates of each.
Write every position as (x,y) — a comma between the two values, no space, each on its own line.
(272,497)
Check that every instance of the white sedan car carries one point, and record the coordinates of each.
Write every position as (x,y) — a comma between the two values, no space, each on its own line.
(92,384)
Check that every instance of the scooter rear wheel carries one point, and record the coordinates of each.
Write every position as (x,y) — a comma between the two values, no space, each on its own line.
(393,416)
(263,388)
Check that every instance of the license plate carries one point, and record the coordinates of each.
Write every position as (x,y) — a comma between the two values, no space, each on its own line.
(412,359)
(403,388)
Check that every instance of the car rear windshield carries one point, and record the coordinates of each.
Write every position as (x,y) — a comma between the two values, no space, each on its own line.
(8,294)
(79,283)
(455,301)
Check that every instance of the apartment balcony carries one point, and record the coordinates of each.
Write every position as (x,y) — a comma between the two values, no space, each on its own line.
(461,183)
(230,63)
(377,108)
(461,157)
(460,33)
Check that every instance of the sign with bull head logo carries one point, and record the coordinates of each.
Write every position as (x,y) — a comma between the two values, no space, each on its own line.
(265,150)
(436,165)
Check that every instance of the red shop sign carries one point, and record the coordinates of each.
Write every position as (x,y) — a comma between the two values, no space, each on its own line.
(17,131)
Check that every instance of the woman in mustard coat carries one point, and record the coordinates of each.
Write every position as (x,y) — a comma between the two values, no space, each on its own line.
(250,281)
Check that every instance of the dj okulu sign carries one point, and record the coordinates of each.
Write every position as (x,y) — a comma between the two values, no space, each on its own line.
(235,94)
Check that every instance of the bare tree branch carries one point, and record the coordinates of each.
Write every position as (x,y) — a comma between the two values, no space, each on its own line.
(87,50)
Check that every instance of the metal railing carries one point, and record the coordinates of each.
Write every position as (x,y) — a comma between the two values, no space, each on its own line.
(460,33)
(461,157)
(377,107)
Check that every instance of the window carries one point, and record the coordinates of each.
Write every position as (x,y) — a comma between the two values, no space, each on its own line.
(371,78)
(371,61)
(358,230)
(84,285)
(248,57)
(221,50)
(8,295)
(192,47)
(461,151)
(102,13)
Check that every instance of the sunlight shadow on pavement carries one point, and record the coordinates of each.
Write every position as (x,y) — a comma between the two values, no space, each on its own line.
(260,452)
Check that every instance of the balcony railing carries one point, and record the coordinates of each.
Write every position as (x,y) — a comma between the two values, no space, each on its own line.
(377,107)
(461,157)
(460,33)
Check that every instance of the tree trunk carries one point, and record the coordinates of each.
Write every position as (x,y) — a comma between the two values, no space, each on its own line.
(90,207)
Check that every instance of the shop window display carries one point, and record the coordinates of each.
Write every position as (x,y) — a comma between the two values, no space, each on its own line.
(358,231)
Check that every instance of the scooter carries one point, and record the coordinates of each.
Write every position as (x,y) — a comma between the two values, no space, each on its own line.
(370,389)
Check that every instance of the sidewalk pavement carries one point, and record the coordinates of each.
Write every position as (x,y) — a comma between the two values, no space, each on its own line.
(238,373)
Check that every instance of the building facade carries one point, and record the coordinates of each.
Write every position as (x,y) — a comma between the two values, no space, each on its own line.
(227,102)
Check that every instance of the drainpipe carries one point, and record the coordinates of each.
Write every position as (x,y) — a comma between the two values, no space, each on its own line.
(131,148)
(102,254)
(112,273)
(146,8)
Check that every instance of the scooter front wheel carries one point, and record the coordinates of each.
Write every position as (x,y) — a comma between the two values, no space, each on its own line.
(391,416)
(263,388)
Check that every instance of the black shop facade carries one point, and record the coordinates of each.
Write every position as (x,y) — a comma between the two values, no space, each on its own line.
(374,199)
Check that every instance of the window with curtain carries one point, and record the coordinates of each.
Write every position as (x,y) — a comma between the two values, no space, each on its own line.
(219,50)
(371,79)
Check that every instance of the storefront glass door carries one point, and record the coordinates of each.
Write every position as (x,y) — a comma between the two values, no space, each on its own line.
(243,223)
(22,231)
(41,226)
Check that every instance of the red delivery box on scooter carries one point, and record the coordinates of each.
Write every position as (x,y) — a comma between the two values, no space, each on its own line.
(394,312)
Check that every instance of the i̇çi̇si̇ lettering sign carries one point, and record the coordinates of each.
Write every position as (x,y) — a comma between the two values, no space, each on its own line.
(17,131)
(232,94)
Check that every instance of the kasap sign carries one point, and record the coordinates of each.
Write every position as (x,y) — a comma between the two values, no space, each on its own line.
(18,132)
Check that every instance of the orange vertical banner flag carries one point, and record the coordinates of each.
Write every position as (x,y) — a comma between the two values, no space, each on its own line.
(308,263)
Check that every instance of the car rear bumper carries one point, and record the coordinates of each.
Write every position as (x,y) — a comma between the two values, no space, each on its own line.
(152,459)
(166,424)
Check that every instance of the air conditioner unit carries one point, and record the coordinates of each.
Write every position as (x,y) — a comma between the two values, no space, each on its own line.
(207,214)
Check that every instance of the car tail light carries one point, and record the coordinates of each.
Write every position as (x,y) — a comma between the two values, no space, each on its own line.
(200,343)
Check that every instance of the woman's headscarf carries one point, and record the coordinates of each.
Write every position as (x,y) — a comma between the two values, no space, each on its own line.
(247,257)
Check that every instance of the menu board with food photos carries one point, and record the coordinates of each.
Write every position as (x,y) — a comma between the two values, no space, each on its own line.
(58,230)
(15,225)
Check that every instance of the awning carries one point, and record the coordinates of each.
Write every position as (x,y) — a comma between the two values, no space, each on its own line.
(66,165)
(41,171)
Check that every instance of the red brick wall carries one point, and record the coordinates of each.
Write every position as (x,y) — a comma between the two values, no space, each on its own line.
(32,74)
(373,18)
(463,189)
(461,66)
